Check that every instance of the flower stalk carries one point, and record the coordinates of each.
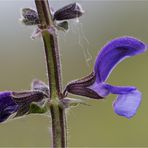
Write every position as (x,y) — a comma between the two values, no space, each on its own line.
(53,73)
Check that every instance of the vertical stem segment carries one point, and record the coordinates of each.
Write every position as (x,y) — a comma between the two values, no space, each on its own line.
(54,73)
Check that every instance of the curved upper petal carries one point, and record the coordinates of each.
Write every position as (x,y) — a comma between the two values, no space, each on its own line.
(114,52)
(7,105)
(127,104)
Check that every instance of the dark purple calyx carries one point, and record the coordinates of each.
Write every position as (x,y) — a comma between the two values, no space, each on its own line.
(81,87)
(25,98)
(70,11)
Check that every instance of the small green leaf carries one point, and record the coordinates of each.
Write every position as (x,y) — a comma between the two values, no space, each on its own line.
(35,108)
(71,102)
(62,26)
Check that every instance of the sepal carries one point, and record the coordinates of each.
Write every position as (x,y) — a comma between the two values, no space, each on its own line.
(36,108)
(36,33)
(41,86)
(71,102)
(25,98)
(62,26)
(81,87)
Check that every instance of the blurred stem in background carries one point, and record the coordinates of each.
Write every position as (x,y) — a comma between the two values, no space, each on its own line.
(53,73)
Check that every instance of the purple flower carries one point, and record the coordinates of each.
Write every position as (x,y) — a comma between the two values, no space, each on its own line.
(95,86)
(20,102)
(7,105)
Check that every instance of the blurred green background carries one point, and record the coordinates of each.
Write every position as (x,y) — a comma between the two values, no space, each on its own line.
(22,59)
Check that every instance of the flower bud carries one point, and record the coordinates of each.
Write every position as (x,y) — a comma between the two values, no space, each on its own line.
(29,17)
(70,11)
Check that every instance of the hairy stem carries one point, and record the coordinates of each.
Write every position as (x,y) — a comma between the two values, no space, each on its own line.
(54,73)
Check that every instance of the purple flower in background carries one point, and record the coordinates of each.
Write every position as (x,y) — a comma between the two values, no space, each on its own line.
(7,105)
(95,86)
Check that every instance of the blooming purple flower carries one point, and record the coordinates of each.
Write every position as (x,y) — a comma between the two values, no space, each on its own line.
(95,86)
(21,101)
(7,105)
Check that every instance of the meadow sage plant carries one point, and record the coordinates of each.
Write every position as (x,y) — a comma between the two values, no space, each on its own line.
(42,98)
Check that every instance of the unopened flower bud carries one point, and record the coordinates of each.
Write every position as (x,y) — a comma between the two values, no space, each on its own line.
(70,11)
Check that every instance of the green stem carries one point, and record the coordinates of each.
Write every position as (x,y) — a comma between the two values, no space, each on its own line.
(54,74)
